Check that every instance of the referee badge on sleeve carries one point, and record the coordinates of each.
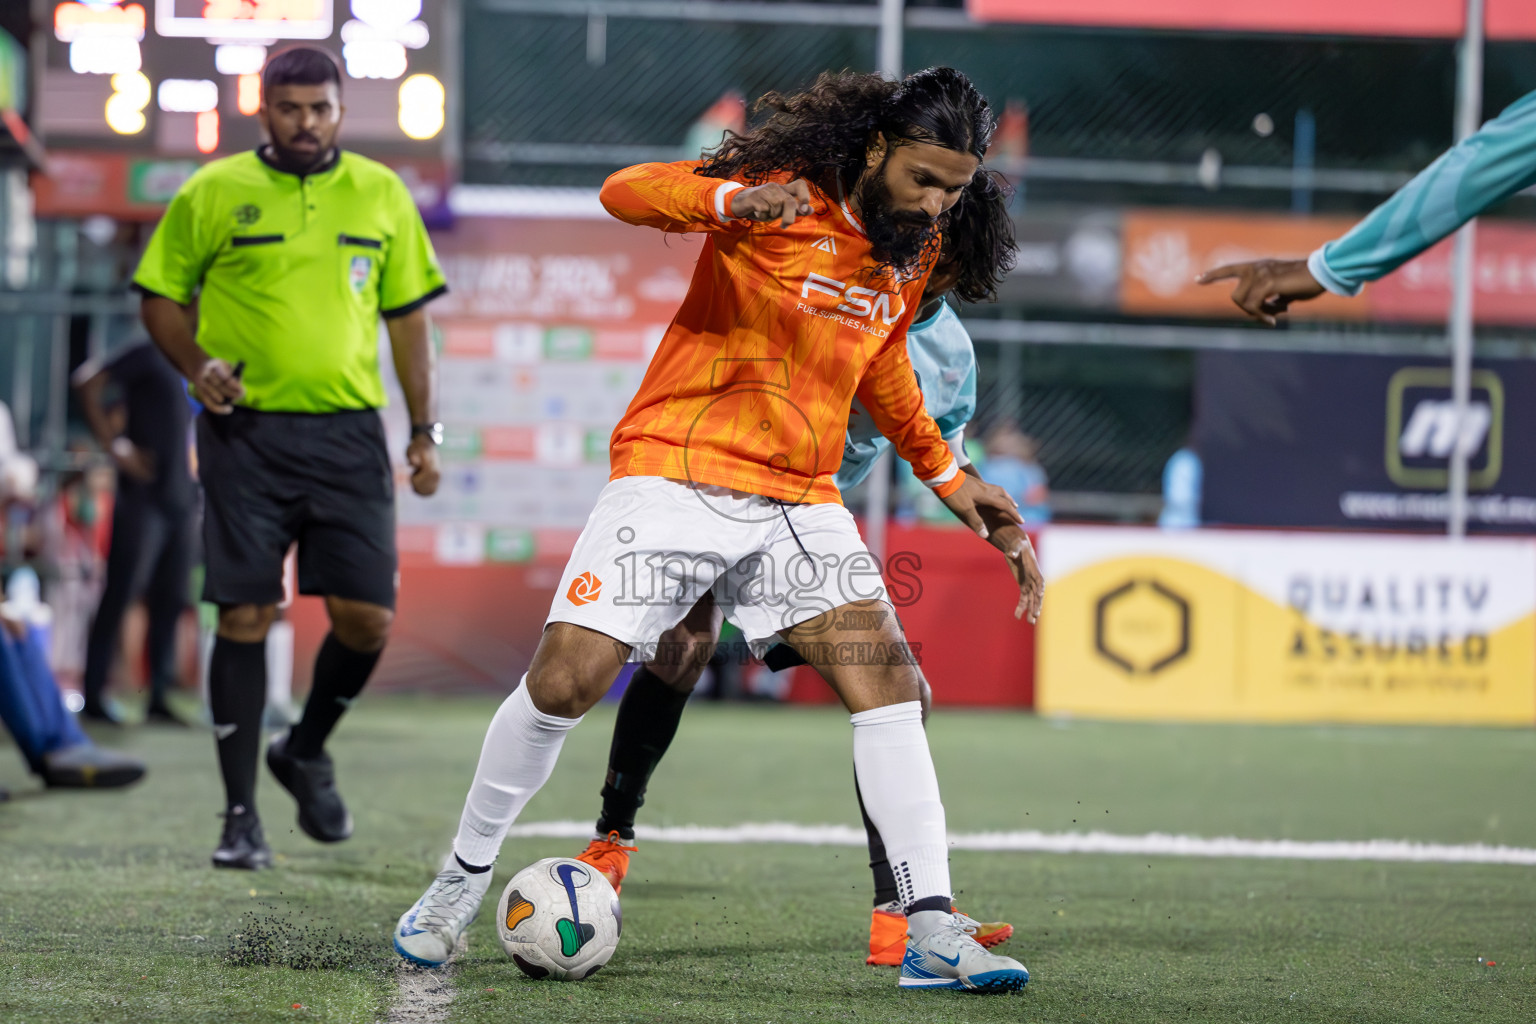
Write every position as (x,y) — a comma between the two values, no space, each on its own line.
(362,267)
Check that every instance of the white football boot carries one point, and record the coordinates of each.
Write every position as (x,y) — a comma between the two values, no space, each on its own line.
(949,957)
(429,932)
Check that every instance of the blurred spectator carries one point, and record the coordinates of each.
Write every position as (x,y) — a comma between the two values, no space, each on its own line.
(1183,481)
(151,550)
(77,524)
(32,708)
(18,489)
(1010,464)
(31,705)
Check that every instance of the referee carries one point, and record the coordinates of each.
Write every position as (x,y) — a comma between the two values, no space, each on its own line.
(290,255)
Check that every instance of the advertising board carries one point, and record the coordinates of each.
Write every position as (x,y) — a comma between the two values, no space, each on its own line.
(1287,627)
(1317,440)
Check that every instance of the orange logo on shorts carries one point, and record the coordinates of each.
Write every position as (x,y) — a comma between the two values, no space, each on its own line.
(584,589)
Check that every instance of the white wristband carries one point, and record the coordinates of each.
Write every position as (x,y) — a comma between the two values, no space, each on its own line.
(720,193)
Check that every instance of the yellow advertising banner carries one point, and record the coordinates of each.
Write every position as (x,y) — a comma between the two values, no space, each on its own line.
(1250,626)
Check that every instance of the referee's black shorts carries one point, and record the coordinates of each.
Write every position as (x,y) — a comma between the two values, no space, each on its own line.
(320,479)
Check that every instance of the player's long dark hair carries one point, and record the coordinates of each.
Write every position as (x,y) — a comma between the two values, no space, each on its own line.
(825,132)
(829,127)
(978,232)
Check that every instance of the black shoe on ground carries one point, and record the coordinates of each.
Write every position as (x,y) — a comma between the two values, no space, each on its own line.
(161,714)
(87,766)
(243,845)
(312,781)
(104,712)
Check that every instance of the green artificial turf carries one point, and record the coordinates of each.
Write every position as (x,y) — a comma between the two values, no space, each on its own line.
(110,912)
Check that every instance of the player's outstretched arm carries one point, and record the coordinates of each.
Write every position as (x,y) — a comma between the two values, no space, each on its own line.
(891,396)
(1485,168)
(671,197)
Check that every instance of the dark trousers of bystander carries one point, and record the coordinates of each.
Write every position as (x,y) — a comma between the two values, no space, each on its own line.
(150,557)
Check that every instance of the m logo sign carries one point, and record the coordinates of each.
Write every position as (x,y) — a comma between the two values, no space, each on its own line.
(1422,431)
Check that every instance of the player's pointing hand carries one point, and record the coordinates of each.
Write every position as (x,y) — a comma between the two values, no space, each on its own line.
(767,202)
(1266,288)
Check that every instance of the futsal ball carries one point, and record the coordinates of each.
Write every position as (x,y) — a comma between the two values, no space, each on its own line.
(559,919)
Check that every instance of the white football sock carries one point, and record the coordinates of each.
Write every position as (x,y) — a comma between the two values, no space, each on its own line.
(519,752)
(901,796)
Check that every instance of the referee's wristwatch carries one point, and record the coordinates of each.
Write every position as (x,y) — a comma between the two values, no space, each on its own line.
(434,431)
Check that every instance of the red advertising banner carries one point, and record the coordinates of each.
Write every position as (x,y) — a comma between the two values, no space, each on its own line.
(1504,281)
(81,183)
(1442,19)
(1164,250)
(595,272)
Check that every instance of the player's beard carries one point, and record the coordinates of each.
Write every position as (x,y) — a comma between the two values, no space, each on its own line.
(898,238)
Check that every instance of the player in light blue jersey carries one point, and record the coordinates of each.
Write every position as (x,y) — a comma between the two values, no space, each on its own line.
(945,363)
(1487,167)
(978,251)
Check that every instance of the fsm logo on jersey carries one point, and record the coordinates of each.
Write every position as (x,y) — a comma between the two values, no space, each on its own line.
(1422,429)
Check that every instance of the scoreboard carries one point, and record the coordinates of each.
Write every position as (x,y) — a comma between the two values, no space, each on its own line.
(246,19)
(135,92)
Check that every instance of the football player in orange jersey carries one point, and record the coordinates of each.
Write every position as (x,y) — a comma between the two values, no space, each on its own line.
(979,250)
(821,226)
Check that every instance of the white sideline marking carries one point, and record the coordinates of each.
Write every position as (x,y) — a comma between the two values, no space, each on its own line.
(1152,844)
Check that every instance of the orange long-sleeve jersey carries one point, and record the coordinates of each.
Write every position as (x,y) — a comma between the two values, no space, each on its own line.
(751,385)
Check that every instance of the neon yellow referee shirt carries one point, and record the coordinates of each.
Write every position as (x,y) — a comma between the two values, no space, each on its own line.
(291,274)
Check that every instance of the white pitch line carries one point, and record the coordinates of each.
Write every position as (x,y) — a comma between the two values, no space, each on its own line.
(1153,844)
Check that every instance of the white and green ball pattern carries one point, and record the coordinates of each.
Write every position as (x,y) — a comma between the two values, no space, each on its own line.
(559,919)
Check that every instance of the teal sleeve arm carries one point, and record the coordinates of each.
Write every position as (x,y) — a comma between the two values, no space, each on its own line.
(1485,168)
(964,410)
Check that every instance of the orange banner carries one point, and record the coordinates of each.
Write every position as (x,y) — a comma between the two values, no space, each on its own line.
(1164,251)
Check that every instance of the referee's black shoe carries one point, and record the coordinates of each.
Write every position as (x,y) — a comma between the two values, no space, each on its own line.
(243,845)
(312,781)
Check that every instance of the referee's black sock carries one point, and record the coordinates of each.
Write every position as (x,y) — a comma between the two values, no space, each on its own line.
(237,693)
(340,675)
(648,715)
(879,863)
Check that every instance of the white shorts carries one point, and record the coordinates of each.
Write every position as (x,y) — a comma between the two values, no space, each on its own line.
(653,546)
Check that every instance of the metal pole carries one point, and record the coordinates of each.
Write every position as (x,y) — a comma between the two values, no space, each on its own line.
(55,423)
(451,143)
(877,505)
(1303,161)
(890,38)
(1469,107)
